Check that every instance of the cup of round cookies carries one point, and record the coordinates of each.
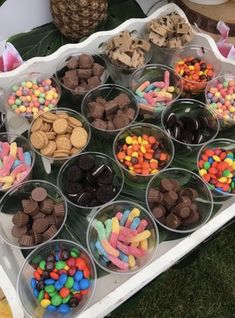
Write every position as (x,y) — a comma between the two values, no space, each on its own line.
(59,134)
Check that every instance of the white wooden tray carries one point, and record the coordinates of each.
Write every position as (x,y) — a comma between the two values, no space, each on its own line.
(112,290)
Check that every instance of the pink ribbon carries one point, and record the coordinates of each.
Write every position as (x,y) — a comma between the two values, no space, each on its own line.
(226,49)
(10,58)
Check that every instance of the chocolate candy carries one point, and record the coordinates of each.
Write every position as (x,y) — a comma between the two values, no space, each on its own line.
(111,114)
(174,206)
(39,219)
(95,188)
(188,129)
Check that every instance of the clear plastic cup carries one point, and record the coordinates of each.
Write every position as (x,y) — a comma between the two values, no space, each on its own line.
(196,110)
(139,130)
(74,96)
(58,161)
(23,143)
(31,76)
(120,74)
(155,73)
(108,92)
(226,118)
(194,87)
(10,204)
(100,158)
(228,145)
(29,302)
(187,179)
(108,212)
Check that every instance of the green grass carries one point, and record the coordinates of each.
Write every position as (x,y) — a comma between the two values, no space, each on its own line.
(201,286)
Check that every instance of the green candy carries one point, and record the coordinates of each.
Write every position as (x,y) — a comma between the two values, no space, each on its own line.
(60,265)
(52,294)
(232,185)
(42,265)
(41,295)
(50,288)
(225,84)
(14,107)
(226,173)
(207,165)
(41,100)
(15,88)
(74,252)
(37,259)
(66,299)
(23,84)
(18,101)
(56,300)
(69,283)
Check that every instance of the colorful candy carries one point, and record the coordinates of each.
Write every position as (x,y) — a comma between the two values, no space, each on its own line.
(66,291)
(143,155)
(153,96)
(217,167)
(31,98)
(221,98)
(124,239)
(195,73)
(15,164)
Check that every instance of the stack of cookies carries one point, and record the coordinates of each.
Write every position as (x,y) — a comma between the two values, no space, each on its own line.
(58,134)
(39,219)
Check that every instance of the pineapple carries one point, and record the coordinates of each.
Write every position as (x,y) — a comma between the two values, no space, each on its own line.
(78,18)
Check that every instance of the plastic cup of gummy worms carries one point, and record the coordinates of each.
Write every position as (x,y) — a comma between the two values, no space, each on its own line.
(216,165)
(56,280)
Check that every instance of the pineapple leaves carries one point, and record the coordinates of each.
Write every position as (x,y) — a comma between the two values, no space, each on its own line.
(46,39)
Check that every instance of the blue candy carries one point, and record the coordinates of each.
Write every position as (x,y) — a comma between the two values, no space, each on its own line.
(63,278)
(124,217)
(84,283)
(16,164)
(58,285)
(27,158)
(33,283)
(135,223)
(49,281)
(123,257)
(76,286)
(51,308)
(78,275)
(210,160)
(100,249)
(63,308)
(35,292)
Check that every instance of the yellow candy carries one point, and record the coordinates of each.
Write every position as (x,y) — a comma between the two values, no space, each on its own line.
(37,92)
(229,161)
(128,158)
(141,236)
(143,149)
(216,158)
(129,140)
(134,213)
(49,97)
(154,171)
(233,166)
(22,109)
(46,109)
(144,244)
(170,89)
(115,225)
(232,109)
(135,142)
(6,186)
(144,142)
(202,172)
(45,303)
(29,84)
(135,154)
(55,95)
(34,109)
(222,179)
(191,67)
(131,261)
(180,63)
(7,179)
(66,267)
(13,149)
(139,140)
(181,72)
(131,168)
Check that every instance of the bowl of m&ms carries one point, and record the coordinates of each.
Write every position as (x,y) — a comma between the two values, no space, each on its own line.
(16,159)
(90,180)
(123,54)
(179,200)
(142,150)
(216,165)
(56,280)
(122,237)
(31,94)
(155,86)
(220,97)
(109,108)
(190,123)
(79,73)
(31,213)
(197,66)
(59,134)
